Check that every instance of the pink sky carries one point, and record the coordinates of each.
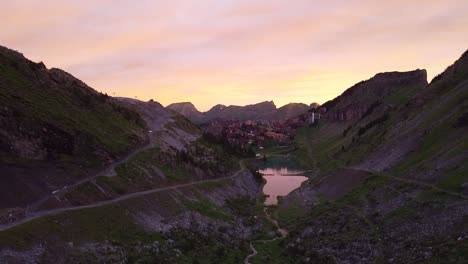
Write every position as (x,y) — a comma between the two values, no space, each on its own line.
(235,52)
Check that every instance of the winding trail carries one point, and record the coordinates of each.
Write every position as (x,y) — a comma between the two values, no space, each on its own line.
(93,176)
(280,230)
(154,125)
(35,215)
(411,181)
(254,253)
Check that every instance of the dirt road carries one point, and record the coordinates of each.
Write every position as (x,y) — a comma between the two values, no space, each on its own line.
(35,215)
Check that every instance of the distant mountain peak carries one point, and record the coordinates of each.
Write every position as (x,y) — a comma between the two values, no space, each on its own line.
(186,109)
(265,110)
(314,105)
(183,105)
(218,106)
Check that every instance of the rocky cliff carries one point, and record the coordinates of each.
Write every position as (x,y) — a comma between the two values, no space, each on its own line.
(357,100)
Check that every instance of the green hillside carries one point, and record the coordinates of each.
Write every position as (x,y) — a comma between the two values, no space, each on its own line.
(53,125)
(390,184)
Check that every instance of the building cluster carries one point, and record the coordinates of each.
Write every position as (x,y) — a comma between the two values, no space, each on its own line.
(256,133)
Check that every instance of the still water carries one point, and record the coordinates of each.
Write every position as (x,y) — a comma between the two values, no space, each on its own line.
(280,182)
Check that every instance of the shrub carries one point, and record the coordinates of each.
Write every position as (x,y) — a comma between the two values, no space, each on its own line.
(371,124)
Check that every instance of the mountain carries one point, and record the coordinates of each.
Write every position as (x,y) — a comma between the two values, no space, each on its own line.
(253,112)
(186,109)
(87,178)
(314,105)
(261,111)
(54,129)
(290,110)
(391,173)
(355,101)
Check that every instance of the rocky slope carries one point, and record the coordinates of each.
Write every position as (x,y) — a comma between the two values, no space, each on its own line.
(87,178)
(205,222)
(262,111)
(180,199)
(391,180)
(55,130)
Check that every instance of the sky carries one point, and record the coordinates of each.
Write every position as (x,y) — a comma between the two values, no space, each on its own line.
(235,52)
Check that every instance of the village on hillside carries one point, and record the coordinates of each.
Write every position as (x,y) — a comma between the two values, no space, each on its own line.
(262,133)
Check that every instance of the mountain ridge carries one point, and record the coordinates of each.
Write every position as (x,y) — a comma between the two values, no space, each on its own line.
(265,110)
(356,101)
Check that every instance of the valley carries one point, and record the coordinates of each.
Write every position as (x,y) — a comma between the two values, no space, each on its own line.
(376,175)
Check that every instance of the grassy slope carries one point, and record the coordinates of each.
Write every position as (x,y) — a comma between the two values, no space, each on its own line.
(116,224)
(143,171)
(443,142)
(101,121)
(66,129)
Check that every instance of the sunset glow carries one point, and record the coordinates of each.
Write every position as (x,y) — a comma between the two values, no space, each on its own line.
(235,52)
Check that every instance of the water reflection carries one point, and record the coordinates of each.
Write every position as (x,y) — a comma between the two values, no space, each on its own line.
(280,182)
(280,171)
